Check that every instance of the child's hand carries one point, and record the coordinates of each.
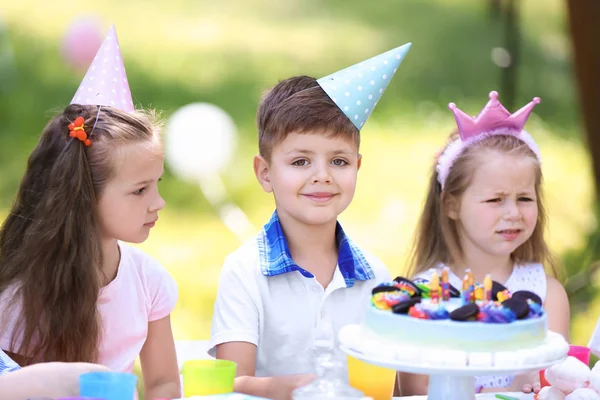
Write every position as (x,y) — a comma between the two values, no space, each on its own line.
(59,379)
(281,387)
(527,383)
(529,388)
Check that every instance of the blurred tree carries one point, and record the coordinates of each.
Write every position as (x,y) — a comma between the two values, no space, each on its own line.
(506,55)
(8,70)
(583,264)
(495,8)
(585,33)
(512,37)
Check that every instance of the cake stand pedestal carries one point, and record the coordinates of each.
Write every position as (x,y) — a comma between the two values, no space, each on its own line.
(447,382)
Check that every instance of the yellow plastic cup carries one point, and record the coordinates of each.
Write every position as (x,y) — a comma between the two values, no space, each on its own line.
(208,377)
(373,381)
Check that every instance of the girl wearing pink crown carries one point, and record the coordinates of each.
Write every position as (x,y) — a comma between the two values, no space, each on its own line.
(71,290)
(484,212)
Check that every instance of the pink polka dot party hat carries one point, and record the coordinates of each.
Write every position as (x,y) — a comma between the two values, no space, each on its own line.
(105,83)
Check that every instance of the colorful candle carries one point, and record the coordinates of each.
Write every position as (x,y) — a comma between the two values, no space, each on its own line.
(470,277)
(487,289)
(478,292)
(434,288)
(465,290)
(471,286)
(445,284)
(472,298)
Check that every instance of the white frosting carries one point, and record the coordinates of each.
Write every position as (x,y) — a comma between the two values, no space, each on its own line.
(480,359)
(583,394)
(505,358)
(569,375)
(550,393)
(553,348)
(595,376)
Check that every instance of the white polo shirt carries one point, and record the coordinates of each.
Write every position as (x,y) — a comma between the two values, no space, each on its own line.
(265,299)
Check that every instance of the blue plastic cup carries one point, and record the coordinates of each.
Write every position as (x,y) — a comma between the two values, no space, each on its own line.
(108,385)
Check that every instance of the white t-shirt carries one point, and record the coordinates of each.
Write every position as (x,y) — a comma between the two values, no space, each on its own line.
(282,314)
(530,277)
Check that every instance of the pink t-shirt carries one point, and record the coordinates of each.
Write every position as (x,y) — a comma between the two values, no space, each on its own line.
(142,292)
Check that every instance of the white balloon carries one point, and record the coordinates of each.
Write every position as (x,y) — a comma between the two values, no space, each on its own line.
(199,142)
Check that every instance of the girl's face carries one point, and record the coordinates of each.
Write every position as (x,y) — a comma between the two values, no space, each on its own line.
(498,211)
(130,202)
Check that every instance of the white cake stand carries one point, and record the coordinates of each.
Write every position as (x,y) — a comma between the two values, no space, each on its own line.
(447,382)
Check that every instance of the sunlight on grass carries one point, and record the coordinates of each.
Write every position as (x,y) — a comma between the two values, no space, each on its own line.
(220,35)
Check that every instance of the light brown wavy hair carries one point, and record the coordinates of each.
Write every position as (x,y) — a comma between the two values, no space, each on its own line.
(299,105)
(436,239)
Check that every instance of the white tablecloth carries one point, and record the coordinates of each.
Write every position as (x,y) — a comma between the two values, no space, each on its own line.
(482,396)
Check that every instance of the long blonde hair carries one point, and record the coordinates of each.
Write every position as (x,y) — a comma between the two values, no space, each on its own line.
(436,239)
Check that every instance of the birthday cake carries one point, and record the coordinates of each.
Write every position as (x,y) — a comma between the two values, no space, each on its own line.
(482,324)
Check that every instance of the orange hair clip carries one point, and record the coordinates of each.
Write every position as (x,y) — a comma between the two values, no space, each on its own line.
(77,130)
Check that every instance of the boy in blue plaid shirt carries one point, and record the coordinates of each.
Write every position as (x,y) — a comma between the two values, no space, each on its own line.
(301,278)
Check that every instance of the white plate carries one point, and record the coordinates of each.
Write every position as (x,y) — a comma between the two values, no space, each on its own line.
(433,369)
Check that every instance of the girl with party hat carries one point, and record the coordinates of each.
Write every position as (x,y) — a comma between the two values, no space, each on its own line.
(484,212)
(70,289)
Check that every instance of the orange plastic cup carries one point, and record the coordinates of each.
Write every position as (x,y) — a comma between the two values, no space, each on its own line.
(581,353)
(373,381)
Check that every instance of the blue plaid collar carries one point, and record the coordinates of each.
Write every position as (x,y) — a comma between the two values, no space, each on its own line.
(7,364)
(276,259)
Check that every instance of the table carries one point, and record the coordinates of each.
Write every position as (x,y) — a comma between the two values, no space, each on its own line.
(481,396)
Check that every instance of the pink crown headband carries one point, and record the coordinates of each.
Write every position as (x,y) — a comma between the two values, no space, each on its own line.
(493,119)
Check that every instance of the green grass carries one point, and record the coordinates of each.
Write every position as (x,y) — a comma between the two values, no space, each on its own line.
(228,52)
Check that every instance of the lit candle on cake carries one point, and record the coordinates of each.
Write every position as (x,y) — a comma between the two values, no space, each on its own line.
(445,284)
(464,294)
(471,286)
(434,288)
(470,277)
(487,289)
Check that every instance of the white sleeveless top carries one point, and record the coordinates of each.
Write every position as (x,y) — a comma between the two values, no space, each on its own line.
(530,277)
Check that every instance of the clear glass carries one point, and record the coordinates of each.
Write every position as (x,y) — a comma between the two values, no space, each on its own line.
(332,376)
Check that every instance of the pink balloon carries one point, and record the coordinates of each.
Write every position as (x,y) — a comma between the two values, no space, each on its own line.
(81,41)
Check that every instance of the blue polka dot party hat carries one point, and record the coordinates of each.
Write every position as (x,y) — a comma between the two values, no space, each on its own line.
(357,89)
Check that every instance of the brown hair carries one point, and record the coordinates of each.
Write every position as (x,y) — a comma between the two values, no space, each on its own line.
(50,244)
(299,105)
(437,240)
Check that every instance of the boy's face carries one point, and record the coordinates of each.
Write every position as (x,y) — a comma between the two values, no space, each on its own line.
(312,177)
